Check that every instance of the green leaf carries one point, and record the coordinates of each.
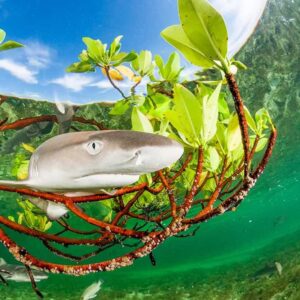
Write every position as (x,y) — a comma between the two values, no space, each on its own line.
(2,35)
(250,121)
(10,45)
(105,211)
(140,122)
(95,49)
(223,107)
(180,138)
(203,90)
(129,57)
(183,129)
(32,216)
(160,64)
(123,57)
(172,68)
(159,112)
(204,27)
(159,105)
(262,119)
(239,65)
(20,218)
(237,154)
(164,124)
(147,178)
(261,144)
(120,108)
(178,39)
(187,115)
(83,56)
(213,159)
(22,203)
(115,46)
(234,135)
(81,67)
(11,218)
(48,226)
(143,63)
(28,219)
(210,185)
(137,100)
(221,136)
(210,115)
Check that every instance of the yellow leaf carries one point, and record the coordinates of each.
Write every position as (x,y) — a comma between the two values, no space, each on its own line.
(27,147)
(114,74)
(137,79)
(22,173)
(125,71)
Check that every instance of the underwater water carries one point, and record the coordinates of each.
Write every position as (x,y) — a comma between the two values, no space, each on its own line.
(232,256)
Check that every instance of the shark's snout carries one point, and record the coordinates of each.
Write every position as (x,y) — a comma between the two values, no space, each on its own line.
(152,158)
(132,153)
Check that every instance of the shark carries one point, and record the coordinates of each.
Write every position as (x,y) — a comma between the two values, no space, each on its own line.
(19,273)
(65,113)
(88,162)
(91,291)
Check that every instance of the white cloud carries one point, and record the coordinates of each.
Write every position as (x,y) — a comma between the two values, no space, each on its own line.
(26,63)
(19,70)
(106,85)
(126,84)
(37,54)
(74,82)
(26,94)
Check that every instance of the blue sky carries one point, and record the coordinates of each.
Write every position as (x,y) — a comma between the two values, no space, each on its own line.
(52,32)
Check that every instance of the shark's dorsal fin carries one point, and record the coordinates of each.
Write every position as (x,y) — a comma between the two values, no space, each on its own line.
(2,262)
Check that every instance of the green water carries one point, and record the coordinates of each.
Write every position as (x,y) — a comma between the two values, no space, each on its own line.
(232,256)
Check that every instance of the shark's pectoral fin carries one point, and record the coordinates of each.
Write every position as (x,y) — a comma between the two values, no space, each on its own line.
(7,273)
(78,194)
(2,262)
(53,210)
(16,184)
(56,210)
(110,193)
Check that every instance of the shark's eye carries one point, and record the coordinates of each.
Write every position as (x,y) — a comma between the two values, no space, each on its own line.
(94,147)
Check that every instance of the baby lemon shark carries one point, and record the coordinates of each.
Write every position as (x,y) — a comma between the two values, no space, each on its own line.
(86,162)
(19,273)
(91,291)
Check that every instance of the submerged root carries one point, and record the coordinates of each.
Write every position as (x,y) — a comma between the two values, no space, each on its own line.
(133,224)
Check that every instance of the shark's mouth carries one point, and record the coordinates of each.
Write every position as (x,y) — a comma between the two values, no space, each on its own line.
(99,181)
(135,160)
(96,174)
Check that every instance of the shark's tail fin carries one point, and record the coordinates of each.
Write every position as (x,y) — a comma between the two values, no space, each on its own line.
(2,262)
(15,184)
